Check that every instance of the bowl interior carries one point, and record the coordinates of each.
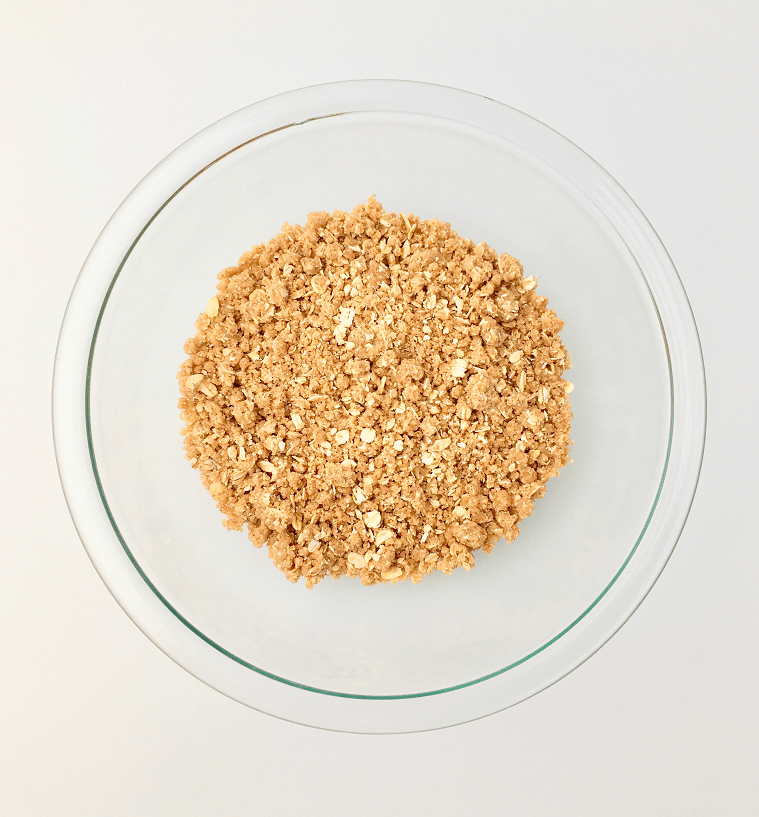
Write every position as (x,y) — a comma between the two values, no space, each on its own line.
(448,630)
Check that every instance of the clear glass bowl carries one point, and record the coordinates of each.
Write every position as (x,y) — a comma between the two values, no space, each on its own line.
(385,658)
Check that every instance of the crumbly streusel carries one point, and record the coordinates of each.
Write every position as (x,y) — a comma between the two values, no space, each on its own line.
(373,395)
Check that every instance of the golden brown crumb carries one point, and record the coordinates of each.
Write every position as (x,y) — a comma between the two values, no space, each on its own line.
(373,395)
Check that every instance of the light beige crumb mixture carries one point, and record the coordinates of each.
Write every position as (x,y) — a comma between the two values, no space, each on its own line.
(373,395)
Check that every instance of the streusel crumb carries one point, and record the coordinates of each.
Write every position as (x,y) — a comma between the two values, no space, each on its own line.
(373,395)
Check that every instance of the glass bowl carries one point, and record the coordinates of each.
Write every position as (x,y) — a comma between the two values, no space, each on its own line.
(383,658)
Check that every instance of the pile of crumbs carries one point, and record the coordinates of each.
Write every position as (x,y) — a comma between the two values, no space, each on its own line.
(375,396)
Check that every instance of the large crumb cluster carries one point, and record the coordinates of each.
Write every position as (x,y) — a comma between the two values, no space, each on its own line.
(373,395)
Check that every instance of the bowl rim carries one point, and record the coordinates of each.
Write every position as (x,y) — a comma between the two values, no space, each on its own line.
(190,160)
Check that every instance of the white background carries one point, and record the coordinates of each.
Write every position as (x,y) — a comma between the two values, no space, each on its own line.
(94,720)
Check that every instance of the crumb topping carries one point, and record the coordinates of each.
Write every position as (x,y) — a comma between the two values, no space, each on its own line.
(373,395)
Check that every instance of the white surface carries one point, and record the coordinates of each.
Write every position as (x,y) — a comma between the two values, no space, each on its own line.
(94,719)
